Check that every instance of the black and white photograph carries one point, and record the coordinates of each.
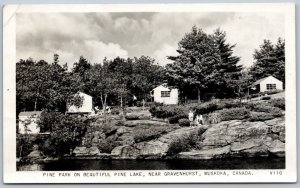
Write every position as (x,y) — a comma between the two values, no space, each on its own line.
(197,93)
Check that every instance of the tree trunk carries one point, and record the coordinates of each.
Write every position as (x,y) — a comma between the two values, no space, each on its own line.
(199,95)
(143,104)
(35,102)
(121,105)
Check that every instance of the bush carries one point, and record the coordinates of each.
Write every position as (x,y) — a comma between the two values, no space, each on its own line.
(266,98)
(66,132)
(206,108)
(213,118)
(166,111)
(270,92)
(255,95)
(276,112)
(234,113)
(279,103)
(184,122)
(175,119)
(212,106)
(120,123)
(115,112)
(185,142)
(131,117)
(260,116)
(108,144)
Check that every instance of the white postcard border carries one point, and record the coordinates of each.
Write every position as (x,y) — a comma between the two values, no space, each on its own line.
(9,100)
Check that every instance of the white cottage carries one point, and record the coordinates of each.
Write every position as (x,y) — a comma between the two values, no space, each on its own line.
(165,94)
(85,108)
(267,84)
(28,122)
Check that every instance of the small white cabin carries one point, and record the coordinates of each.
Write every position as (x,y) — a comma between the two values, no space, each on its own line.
(269,83)
(85,108)
(165,94)
(28,122)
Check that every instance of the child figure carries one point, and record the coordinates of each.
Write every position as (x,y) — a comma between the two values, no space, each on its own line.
(199,120)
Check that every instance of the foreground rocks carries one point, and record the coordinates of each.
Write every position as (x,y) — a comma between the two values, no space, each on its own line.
(234,138)
(241,139)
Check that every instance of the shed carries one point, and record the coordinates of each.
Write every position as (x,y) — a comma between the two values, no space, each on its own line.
(85,108)
(165,94)
(28,122)
(269,83)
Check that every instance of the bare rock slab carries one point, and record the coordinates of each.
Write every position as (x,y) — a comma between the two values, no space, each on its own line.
(214,153)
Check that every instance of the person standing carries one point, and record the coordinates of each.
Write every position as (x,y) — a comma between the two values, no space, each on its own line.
(191,117)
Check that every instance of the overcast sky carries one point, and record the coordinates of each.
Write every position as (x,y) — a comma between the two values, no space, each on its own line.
(99,35)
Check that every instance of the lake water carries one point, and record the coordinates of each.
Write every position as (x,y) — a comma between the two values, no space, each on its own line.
(220,164)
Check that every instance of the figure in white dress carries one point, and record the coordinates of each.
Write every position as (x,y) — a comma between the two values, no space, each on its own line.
(191,117)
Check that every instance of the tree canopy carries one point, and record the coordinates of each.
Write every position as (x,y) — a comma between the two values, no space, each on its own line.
(269,60)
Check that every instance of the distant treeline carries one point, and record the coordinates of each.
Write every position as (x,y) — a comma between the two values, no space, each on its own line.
(205,68)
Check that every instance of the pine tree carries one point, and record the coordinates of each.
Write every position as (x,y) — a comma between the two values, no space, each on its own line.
(228,66)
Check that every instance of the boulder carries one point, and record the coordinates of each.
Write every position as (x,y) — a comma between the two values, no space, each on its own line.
(152,148)
(281,137)
(94,150)
(279,128)
(81,151)
(257,151)
(276,121)
(122,130)
(205,154)
(238,146)
(124,152)
(277,148)
(35,154)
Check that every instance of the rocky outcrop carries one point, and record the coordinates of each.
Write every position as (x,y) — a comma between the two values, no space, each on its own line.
(153,149)
(205,153)
(84,151)
(236,138)
(241,139)
(124,152)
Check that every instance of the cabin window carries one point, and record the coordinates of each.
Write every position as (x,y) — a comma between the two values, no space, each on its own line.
(271,86)
(165,93)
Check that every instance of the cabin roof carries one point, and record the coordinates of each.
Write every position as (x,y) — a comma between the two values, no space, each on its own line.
(30,113)
(166,86)
(262,79)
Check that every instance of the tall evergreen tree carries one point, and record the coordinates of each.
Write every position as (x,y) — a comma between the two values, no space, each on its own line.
(227,67)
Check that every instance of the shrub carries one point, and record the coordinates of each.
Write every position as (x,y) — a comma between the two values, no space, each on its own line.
(270,92)
(206,108)
(115,112)
(108,144)
(120,123)
(184,122)
(279,103)
(132,117)
(212,106)
(175,119)
(274,111)
(234,113)
(266,98)
(185,142)
(166,111)
(213,118)
(255,95)
(260,116)
(66,131)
